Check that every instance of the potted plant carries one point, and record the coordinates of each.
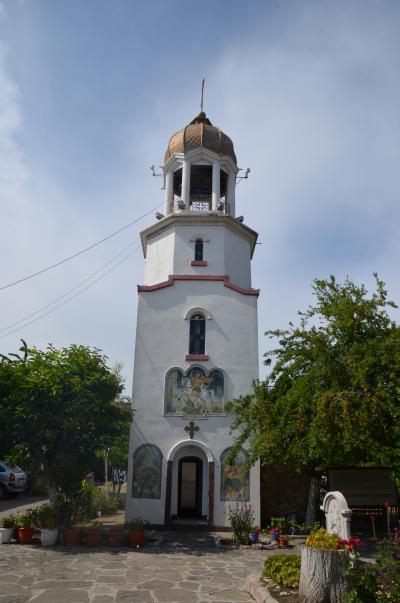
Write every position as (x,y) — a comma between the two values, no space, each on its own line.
(8,524)
(47,521)
(72,534)
(94,534)
(324,561)
(136,532)
(116,537)
(67,511)
(264,536)
(254,535)
(274,534)
(26,524)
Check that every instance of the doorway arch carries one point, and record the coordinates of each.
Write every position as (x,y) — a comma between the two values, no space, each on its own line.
(190,487)
(199,489)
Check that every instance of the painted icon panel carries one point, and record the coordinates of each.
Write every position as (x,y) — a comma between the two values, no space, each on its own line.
(147,467)
(194,394)
(235,478)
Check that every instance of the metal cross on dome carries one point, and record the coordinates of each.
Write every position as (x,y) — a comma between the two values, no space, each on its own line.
(191,429)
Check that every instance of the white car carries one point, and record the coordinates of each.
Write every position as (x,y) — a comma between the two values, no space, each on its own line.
(12,479)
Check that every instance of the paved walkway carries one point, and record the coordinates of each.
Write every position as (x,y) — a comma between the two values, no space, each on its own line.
(188,568)
(18,505)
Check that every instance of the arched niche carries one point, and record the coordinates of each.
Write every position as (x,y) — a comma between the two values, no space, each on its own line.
(147,470)
(235,478)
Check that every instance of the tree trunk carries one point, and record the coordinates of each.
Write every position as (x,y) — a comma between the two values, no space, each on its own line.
(313,496)
(321,575)
(51,482)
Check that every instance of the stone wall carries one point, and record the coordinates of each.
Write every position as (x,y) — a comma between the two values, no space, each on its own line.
(283,492)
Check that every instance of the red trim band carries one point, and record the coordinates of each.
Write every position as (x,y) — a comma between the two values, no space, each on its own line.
(201,357)
(199,277)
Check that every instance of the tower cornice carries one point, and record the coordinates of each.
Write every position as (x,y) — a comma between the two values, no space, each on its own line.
(191,218)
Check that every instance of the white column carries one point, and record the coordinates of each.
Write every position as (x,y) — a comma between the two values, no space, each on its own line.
(231,193)
(169,195)
(216,175)
(186,183)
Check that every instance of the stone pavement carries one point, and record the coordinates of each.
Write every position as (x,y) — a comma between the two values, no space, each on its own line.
(17,505)
(190,568)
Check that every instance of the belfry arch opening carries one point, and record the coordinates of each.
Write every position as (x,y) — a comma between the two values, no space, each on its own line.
(201,187)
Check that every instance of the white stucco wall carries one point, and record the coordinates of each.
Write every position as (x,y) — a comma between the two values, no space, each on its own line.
(160,257)
(161,343)
(172,251)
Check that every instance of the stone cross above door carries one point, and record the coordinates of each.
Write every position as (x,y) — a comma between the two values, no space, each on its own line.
(191,429)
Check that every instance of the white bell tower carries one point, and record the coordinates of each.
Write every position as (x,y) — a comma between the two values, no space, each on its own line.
(196,340)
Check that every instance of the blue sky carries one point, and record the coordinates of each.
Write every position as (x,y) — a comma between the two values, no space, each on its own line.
(90,93)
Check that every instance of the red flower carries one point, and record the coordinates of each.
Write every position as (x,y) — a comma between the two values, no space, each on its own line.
(349,545)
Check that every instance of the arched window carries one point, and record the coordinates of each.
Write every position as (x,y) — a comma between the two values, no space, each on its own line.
(147,466)
(197,340)
(198,250)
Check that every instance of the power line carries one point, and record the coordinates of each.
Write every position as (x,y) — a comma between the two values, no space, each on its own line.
(72,296)
(74,288)
(113,234)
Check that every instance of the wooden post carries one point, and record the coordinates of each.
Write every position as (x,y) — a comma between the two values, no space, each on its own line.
(321,575)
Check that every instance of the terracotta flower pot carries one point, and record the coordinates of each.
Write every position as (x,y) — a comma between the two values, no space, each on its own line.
(116,538)
(72,536)
(136,538)
(94,537)
(283,542)
(25,535)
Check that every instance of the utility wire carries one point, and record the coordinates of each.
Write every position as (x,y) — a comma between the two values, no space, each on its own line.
(54,301)
(72,296)
(113,234)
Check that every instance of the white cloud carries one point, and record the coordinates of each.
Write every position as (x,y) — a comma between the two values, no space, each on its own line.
(13,171)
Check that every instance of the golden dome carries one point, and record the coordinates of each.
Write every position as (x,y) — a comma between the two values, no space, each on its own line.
(200,133)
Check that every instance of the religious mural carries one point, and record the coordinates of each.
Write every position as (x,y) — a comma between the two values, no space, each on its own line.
(146,477)
(235,479)
(195,393)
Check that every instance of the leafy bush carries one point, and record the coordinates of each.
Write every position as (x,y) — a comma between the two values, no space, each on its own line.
(101,503)
(47,517)
(85,504)
(378,583)
(93,500)
(242,521)
(321,539)
(283,569)
(28,519)
(278,522)
(137,524)
(10,521)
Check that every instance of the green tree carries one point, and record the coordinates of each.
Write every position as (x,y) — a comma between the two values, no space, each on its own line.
(332,395)
(60,405)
